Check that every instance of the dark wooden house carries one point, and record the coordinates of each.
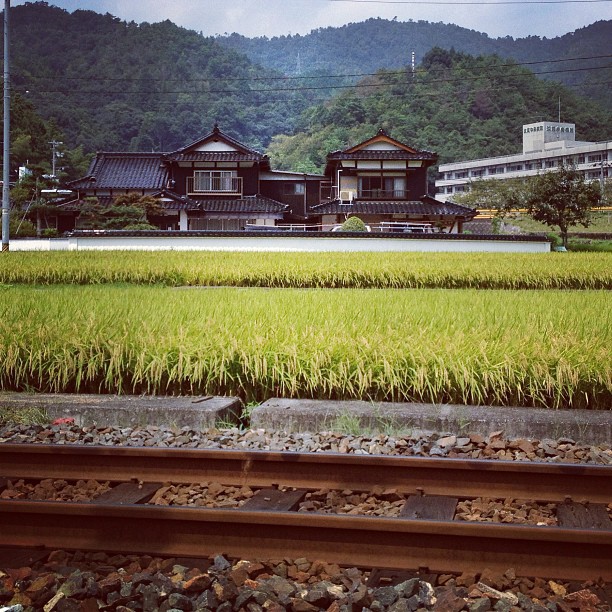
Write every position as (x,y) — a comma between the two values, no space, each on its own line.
(215,183)
(384,182)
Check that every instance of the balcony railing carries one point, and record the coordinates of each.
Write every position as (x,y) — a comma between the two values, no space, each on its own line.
(330,192)
(382,194)
(214,185)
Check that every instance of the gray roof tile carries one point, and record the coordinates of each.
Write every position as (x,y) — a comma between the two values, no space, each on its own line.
(256,204)
(427,206)
(124,171)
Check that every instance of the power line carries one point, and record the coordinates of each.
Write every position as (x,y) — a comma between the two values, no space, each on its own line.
(318,87)
(294,78)
(422,92)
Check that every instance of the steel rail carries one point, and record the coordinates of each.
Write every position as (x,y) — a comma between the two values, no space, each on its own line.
(467,478)
(440,546)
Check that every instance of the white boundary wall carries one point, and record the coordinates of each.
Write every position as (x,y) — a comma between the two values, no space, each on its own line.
(279,243)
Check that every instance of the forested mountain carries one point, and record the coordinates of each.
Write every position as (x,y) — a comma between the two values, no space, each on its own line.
(381,43)
(99,83)
(109,84)
(456,104)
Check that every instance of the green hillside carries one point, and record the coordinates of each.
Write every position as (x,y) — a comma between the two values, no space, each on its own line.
(381,43)
(99,83)
(108,84)
(456,104)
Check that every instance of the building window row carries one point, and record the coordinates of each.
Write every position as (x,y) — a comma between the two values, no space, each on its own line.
(552,162)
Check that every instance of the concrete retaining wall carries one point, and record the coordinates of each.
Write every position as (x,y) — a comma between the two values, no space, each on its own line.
(283,244)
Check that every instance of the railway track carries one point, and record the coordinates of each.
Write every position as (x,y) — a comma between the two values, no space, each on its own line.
(267,525)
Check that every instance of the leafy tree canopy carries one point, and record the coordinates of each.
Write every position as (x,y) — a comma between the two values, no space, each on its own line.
(559,198)
(502,196)
(114,85)
(131,211)
(371,45)
(562,198)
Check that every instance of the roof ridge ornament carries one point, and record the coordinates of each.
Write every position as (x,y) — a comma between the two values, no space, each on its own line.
(382,132)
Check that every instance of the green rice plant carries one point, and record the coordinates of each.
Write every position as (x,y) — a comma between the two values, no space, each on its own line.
(530,348)
(312,270)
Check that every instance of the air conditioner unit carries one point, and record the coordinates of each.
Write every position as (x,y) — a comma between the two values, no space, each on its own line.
(347,195)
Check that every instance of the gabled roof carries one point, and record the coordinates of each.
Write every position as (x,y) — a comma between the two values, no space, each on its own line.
(381,137)
(424,206)
(390,149)
(111,170)
(217,146)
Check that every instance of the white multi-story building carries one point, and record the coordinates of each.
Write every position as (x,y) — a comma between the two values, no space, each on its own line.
(546,145)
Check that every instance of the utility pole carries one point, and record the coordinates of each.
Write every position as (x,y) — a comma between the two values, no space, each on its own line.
(54,144)
(6,202)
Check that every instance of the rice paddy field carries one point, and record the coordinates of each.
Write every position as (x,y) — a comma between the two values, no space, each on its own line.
(60,332)
(321,270)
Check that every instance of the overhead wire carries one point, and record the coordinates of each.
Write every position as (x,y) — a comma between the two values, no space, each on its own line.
(311,77)
(320,87)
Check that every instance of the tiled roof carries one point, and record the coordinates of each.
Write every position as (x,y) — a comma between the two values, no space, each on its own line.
(243,205)
(124,171)
(377,154)
(224,156)
(255,204)
(427,206)
(216,135)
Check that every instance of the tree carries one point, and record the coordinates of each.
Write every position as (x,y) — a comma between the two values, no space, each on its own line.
(129,212)
(504,198)
(562,198)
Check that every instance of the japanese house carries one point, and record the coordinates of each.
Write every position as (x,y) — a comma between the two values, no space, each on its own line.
(215,183)
(384,183)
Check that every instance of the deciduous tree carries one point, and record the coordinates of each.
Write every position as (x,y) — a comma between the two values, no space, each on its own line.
(562,198)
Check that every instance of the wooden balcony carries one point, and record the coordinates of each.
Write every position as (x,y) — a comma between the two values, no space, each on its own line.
(215,185)
(382,194)
(329,192)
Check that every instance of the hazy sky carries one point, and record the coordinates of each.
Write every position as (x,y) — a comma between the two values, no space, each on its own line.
(278,17)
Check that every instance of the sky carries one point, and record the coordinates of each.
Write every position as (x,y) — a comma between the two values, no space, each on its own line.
(497,18)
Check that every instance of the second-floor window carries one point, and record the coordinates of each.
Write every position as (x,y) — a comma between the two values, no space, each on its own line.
(382,187)
(294,189)
(215,180)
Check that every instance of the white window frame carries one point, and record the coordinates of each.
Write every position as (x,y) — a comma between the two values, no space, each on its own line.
(214,180)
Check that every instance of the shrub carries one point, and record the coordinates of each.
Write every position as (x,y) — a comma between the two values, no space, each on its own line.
(353,224)
(143,225)
(21,228)
(555,241)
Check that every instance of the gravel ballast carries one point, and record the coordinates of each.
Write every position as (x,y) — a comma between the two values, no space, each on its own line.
(77,581)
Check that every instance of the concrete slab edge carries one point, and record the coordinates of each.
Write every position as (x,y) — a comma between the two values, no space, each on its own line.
(196,412)
(583,426)
(298,415)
